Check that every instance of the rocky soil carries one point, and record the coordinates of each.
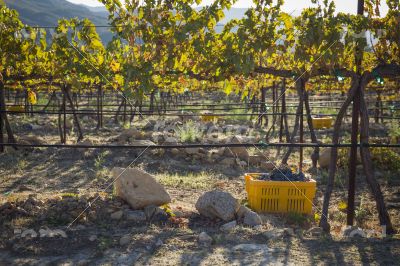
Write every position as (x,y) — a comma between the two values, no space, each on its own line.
(57,206)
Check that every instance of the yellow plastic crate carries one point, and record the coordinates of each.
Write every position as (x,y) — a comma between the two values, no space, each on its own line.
(208,118)
(322,122)
(279,196)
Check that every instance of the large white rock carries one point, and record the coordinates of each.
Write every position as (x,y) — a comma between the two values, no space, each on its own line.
(240,152)
(252,219)
(324,158)
(138,188)
(218,204)
(130,133)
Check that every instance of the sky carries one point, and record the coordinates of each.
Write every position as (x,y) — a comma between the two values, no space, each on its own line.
(347,6)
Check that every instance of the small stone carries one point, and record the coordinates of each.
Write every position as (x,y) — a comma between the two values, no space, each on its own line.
(92,238)
(83,262)
(228,226)
(273,234)
(80,227)
(43,232)
(357,233)
(267,165)
(205,239)
(149,211)
(315,231)
(252,219)
(117,215)
(192,151)
(179,214)
(242,211)
(159,243)
(17,231)
(170,141)
(353,231)
(221,151)
(135,216)
(258,228)
(250,247)
(242,164)
(239,152)
(52,233)
(228,161)
(123,241)
(59,232)
(29,232)
(256,159)
(160,215)
(175,151)
(288,231)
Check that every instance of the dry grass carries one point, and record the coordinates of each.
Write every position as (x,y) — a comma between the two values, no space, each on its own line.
(21,222)
(201,180)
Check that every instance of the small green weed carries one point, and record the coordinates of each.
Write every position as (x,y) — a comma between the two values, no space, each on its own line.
(189,132)
(297,218)
(361,214)
(394,131)
(105,243)
(191,180)
(100,160)
(69,195)
(386,158)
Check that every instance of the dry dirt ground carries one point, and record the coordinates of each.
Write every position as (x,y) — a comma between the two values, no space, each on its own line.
(49,188)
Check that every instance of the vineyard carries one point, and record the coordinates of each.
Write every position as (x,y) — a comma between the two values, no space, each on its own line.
(188,106)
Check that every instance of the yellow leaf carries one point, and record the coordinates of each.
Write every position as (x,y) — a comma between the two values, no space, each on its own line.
(227,87)
(342,206)
(100,59)
(115,66)
(118,81)
(317,217)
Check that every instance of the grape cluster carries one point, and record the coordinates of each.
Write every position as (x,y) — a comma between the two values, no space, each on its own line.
(283,174)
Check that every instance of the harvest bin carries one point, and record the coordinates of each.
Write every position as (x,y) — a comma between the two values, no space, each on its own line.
(279,196)
(207,117)
(322,122)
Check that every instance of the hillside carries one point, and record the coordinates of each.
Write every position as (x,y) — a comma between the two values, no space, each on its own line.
(48,12)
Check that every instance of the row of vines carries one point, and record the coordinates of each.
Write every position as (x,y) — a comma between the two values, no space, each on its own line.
(170,46)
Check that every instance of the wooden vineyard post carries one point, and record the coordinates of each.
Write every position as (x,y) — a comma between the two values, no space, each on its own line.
(262,108)
(384,217)
(152,98)
(301,125)
(67,90)
(354,131)
(315,154)
(273,107)
(3,116)
(353,158)
(381,108)
(101,104)
(99,107)
(26,104)
(377,108)
(334,153)
(62,116)
(296,122)
(1,121)
(64,119)
(284,110)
